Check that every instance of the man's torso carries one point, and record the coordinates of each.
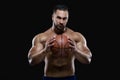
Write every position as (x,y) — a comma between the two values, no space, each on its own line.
(57,65)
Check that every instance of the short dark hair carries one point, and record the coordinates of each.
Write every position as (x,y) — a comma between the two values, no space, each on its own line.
(60,7)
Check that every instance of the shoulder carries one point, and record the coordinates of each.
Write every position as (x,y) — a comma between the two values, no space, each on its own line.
(78,34)
(39,37)
(79,37)
(42,36)
(74,33)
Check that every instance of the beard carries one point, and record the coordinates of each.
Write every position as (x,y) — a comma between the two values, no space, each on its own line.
(59,29)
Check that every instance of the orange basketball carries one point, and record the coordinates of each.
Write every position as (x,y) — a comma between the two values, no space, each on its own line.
(61,46)
(61,41)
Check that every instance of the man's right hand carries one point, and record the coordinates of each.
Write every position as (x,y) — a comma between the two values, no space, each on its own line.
(49,43)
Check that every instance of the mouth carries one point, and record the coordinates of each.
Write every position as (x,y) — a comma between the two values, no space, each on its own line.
(60,27)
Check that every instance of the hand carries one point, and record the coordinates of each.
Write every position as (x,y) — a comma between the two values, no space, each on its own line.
(72,44)
(49,43)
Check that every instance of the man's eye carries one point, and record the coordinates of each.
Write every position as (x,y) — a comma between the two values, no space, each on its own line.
(64,18)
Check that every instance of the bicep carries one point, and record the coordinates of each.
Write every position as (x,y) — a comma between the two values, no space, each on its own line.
(36,46)
(82,45)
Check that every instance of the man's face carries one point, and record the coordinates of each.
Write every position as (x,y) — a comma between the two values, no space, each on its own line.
(60,19)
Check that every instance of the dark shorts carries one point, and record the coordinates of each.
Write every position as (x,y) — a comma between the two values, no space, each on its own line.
(64,78)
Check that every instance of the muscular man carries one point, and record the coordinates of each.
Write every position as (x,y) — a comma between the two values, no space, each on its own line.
(59,67)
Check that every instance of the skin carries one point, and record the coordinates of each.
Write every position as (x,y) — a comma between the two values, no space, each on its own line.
(58,65)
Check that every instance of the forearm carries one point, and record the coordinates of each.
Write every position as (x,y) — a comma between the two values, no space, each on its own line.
(37,57)
(83,56)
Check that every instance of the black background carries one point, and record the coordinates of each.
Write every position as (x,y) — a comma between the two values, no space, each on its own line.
(21,21)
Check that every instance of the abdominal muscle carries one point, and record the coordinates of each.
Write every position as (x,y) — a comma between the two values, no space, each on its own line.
(59,66)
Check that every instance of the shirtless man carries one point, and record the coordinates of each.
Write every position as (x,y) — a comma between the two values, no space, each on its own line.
(59,67)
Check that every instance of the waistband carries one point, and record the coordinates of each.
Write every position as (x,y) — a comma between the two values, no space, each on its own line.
(60,78)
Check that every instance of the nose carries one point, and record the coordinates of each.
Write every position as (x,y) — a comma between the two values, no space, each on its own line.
(61,21)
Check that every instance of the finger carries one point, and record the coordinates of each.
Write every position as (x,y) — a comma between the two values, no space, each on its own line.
(71,46)
(71,42)
(51,41)
(50,45)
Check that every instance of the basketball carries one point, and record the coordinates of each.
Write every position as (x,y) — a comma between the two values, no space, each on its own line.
(61,46)
(61,41)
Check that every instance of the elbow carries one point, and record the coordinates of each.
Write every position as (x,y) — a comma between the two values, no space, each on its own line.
(30,61)
(33,60)
(86,60)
